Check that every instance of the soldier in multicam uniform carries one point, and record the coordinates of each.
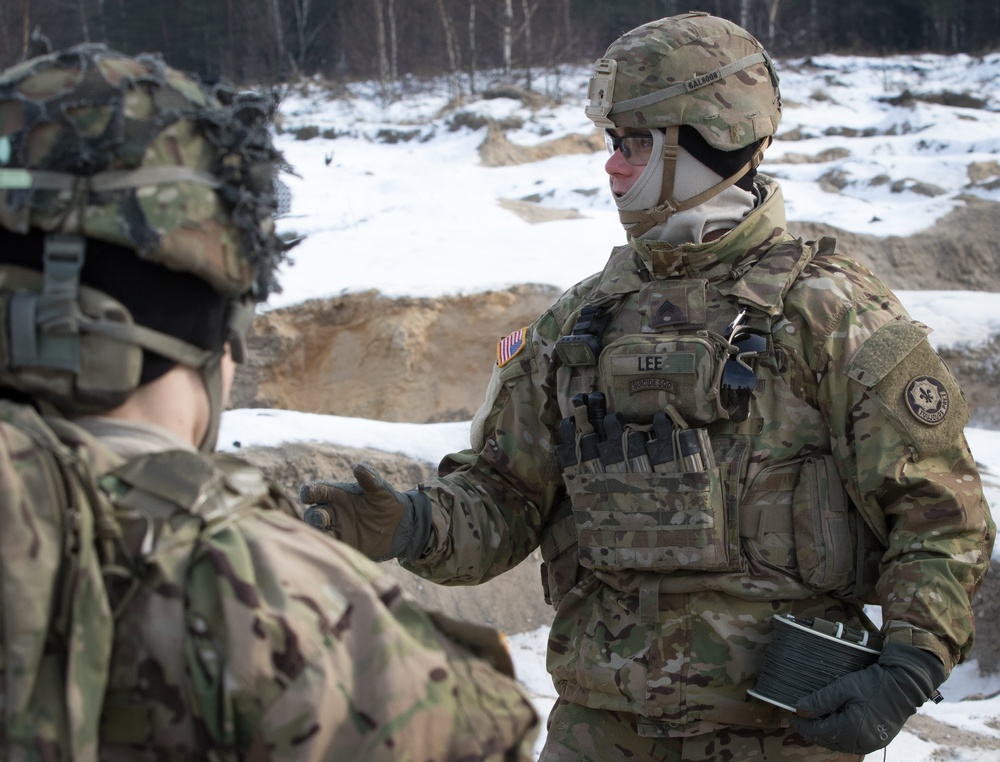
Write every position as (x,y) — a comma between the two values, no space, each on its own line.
(725,425)
(160,601)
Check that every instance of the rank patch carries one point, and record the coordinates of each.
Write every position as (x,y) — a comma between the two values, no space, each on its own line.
(927,399)
(508,347)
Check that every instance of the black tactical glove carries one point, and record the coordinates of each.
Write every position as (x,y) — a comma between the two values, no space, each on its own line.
(863,711)
(370,515)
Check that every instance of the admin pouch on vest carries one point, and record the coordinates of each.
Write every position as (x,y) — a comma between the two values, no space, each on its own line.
(682,524)
(82,532)
(648,373)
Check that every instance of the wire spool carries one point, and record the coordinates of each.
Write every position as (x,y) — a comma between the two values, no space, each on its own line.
(808,654)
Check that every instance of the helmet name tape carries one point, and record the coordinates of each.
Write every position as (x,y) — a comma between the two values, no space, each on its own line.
(694,84)
(682,88)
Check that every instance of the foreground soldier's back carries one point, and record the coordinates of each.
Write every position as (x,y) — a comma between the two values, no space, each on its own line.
(245,634)
(159,600)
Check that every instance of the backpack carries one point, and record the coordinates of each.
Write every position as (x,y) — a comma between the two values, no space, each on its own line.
(64,576)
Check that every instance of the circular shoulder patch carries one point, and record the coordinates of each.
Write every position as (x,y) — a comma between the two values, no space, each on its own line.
(927,399)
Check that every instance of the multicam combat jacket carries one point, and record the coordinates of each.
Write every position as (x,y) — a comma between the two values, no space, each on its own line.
(849,483)
(183,611)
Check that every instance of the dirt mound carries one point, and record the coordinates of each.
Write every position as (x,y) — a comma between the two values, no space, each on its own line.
(424,360)
(368,356)
(976,369)
(534,213)
(497,151)
(959,252)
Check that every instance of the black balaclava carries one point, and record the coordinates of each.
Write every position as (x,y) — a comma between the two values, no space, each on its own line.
(178,304)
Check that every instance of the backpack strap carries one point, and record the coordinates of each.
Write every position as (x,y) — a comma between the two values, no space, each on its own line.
(53,585)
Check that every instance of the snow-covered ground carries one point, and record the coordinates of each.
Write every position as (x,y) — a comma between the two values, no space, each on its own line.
(420,217)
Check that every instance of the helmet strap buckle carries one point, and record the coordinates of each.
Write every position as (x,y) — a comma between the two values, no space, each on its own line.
(58,308)
(45,326)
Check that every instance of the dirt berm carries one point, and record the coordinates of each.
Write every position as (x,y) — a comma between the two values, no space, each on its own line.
(428,360)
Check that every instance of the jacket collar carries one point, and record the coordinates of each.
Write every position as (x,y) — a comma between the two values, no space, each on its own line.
(736,250)
(728,258)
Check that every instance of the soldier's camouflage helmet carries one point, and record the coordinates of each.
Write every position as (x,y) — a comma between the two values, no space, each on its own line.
(130,151)
(99,149)
(694,69)
(689,72)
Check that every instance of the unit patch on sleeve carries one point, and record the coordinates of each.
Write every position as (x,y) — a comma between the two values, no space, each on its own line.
(927,398)
(508,347)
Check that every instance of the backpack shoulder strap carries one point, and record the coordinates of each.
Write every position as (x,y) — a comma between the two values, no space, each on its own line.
(57,628)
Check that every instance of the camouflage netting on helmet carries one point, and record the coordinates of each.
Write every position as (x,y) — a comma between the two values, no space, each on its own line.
(132,152)
(722,81)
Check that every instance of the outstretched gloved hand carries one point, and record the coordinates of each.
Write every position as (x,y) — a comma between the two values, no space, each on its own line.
(863,711)
(370,515)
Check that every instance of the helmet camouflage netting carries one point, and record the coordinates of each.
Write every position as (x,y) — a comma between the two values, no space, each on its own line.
(130,151)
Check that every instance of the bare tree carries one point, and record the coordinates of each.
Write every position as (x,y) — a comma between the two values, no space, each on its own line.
(567,26)
(527,39)
(772,15)
(473,50)
(380,44)
(307,28)
(279,35)
(393,43)
(84,26)
(450,39)
(507,36)
(25,24)
(453,49)
(529,11)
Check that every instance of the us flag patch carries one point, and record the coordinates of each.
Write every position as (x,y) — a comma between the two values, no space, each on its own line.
(508,348)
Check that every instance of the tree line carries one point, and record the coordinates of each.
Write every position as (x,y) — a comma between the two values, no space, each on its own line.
(270,41)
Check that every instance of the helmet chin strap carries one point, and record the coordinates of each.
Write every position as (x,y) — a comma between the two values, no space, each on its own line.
(211,375)
(241,314)
(637,223)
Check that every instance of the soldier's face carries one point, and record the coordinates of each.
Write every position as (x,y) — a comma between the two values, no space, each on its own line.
(624,172)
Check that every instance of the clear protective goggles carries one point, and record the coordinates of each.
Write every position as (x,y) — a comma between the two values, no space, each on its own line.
(636,149)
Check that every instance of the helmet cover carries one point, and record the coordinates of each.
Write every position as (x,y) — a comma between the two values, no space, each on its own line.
(693,69)
(132,152)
